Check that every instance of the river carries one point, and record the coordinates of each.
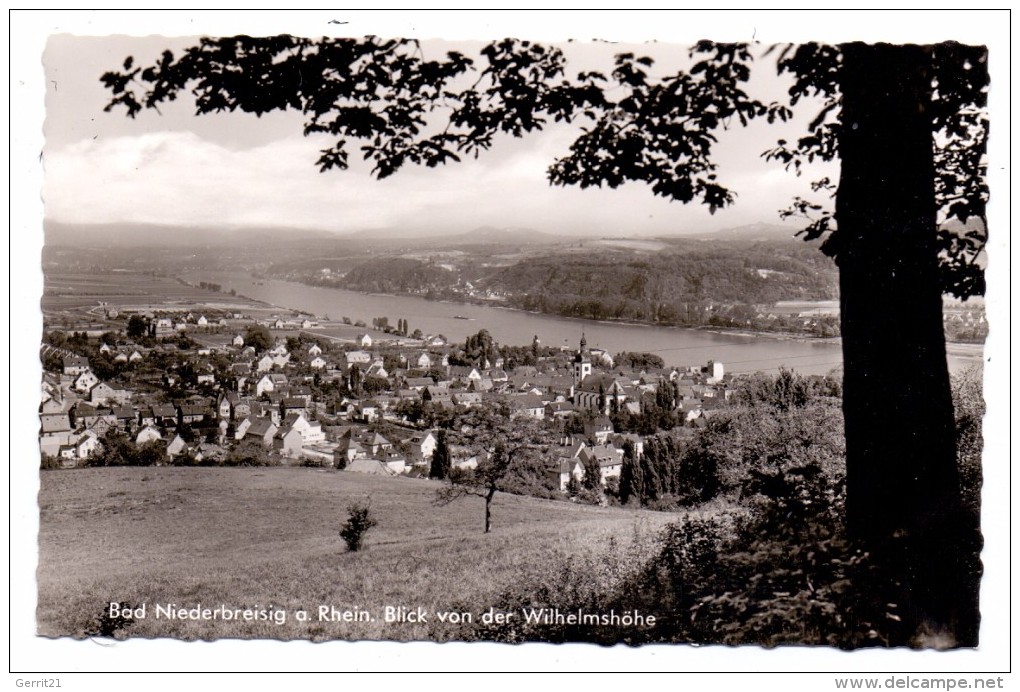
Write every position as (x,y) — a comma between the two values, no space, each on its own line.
(677,346)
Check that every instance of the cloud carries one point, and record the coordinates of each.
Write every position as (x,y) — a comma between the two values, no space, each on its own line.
(179,177)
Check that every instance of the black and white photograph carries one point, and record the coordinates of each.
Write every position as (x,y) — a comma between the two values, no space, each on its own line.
(676,338)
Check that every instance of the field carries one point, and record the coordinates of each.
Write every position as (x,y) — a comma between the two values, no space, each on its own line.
(269,537)
(89,295)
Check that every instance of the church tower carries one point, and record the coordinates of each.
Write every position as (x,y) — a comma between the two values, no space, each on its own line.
(582,362)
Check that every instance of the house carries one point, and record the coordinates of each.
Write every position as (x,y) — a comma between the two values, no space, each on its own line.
(372,443)
(164,415)
(366,411)
(85,381)
(75,365)
(311,431)
(270,383)
(52,444)
(317,363)
(264,364)
(147,434)
(559,409)
(164,327)
(394,461)
(55,404)
(598,430)
(86,445)
(483,385)
(237,341)
(358,358)
(563,469)
(419,383)
(287,441)
(528,405)
(189,414)
(177,446)
(464,373)
(377,369)
(102,424)
(363,340)
(67,454)
(55,423)
(263,430)
(347,450)
(104,393)
(241,428)
(467,399)
(292,405)
(225,403)
(423,361)
(421,446)
(246,407)
(126,416)
(314,350)
(608,457)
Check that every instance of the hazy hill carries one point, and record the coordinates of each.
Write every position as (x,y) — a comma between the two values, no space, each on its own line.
(158,235)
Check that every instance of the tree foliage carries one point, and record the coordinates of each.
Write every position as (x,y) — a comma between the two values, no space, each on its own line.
(359,522)
(440,465)
(504,448)
(258,337)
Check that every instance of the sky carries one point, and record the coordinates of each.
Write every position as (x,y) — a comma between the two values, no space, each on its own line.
(178,169)
(236,170)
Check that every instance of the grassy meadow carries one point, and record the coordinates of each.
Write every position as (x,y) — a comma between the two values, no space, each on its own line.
(244,537)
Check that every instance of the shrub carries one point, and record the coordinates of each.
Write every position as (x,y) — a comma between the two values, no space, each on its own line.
(359,521)
(50,462)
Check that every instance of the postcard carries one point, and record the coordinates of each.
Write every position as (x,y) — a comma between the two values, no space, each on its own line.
(362,332)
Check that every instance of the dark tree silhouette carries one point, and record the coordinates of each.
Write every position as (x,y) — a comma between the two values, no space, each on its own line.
(258,337)
(907,124)
(440,466)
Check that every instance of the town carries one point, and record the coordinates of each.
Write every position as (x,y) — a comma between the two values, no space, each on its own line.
(161,385)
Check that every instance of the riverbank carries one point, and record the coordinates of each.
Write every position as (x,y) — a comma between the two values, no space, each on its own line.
(501,304)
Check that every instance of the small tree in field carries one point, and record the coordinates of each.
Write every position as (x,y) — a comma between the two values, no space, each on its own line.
(359,521)
(503,446)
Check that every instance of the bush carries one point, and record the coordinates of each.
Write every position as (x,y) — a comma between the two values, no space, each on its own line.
(359,521)
(50,462)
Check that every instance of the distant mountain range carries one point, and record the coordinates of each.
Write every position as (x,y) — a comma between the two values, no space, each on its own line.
(159,235)
(751,232)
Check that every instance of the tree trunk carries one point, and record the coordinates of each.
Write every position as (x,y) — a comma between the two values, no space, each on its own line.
(903,498)
(488,509)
